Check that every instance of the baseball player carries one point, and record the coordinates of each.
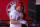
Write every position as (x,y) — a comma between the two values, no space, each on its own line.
(17,15)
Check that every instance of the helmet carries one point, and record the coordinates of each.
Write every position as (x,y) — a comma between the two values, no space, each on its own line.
(19,4)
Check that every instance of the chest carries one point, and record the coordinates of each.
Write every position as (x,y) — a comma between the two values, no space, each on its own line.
(19,16)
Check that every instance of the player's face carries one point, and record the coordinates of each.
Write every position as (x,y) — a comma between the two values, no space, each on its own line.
(19,8)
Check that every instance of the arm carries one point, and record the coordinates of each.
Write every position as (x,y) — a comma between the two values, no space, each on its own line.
(17,22)
(14,21)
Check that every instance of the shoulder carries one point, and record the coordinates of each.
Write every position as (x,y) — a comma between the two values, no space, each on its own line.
(13,11)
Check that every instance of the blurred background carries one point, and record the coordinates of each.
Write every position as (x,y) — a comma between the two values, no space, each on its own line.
(32,13)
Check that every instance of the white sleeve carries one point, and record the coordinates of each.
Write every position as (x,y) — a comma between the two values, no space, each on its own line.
(23,22)
(12,15)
